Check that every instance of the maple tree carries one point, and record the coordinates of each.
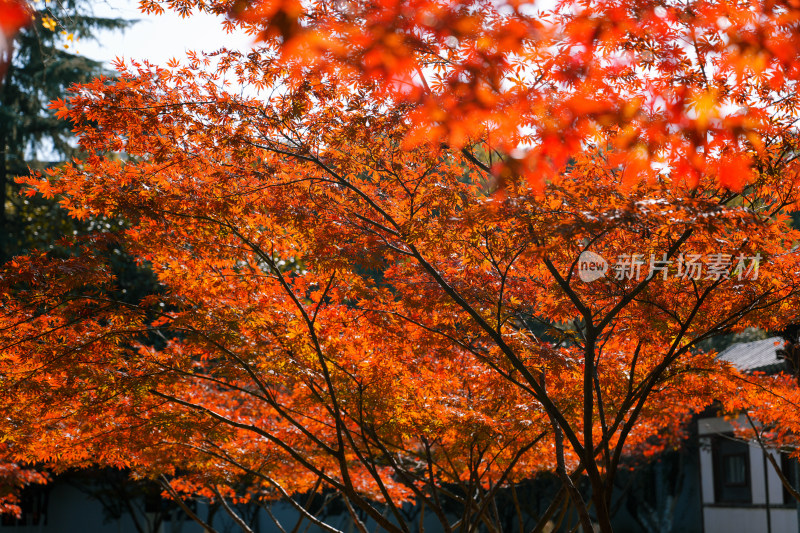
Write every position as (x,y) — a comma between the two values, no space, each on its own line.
(38,62)
(370,250)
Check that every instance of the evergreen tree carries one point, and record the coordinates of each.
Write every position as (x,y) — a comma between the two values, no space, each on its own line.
(44,65)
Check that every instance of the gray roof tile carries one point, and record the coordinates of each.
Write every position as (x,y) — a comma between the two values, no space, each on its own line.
(756,356)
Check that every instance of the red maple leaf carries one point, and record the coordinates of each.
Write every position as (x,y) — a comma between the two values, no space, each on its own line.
(14,15)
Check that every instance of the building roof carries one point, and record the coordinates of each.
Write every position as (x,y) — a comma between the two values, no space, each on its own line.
(756,356)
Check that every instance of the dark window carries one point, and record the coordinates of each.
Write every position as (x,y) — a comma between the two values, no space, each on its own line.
(734,469)
(731,470)
(789,469)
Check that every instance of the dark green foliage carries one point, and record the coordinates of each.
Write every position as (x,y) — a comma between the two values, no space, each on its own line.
(31,137)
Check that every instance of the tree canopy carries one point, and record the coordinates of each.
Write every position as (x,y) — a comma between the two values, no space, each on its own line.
(38,63)
(413,251)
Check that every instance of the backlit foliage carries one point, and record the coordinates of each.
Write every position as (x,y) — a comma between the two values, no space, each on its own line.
(367,231)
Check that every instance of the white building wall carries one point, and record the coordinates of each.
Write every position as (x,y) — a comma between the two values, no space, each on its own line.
(784,520)
(734,520)
(727,518)
(775,485)
(757,484)
(706,465)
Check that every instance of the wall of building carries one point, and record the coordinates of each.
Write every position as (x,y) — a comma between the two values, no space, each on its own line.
(765,485)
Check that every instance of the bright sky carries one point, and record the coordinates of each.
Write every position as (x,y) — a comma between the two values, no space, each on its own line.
(157,38)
